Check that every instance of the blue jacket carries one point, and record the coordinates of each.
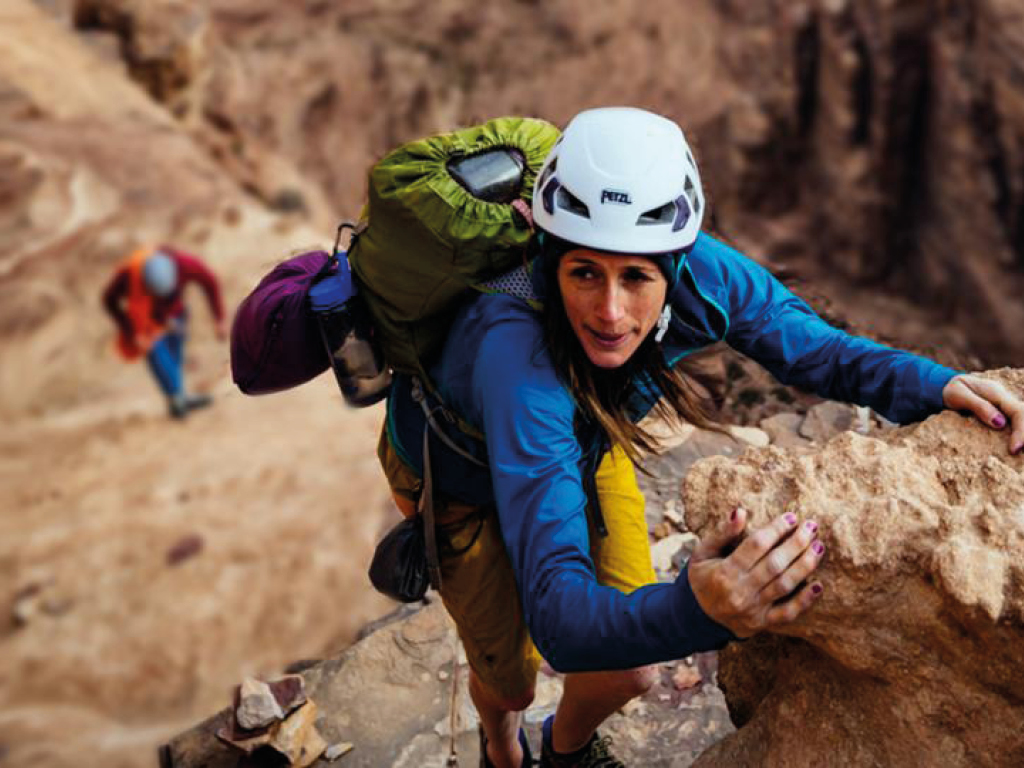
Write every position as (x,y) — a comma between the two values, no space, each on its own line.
(495,373)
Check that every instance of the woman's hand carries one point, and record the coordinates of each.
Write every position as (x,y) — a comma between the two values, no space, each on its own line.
(749,590)
(990,401)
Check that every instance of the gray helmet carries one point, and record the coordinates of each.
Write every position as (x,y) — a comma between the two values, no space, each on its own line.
(160,274)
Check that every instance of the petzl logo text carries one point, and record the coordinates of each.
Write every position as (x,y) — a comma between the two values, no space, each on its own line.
(615,196)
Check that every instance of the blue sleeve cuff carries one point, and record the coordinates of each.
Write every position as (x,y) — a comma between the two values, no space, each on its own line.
(935,379)
(707,633)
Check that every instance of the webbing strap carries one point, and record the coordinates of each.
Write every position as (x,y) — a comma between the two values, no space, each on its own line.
(426,509)
(425,506)
(591,465)
(419,396)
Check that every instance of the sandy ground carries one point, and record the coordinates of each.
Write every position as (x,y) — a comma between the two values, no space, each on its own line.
(123,648)
(108,643)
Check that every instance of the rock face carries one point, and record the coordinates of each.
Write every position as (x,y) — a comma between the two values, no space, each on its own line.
(881,144)
(872,146)
(912,654)
(145,566)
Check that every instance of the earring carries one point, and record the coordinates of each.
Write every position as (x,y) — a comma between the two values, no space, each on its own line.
(662,324)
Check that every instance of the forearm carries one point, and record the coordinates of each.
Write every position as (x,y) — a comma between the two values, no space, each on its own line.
(578,624)
(193,270)
(655,623)
(809,354)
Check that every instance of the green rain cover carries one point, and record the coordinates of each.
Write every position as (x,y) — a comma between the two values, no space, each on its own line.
(428,241)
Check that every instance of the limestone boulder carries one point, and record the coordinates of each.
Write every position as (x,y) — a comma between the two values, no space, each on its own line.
(912,654)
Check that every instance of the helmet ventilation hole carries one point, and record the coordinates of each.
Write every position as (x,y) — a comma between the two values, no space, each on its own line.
(691,195)
(567,201)
(663,214)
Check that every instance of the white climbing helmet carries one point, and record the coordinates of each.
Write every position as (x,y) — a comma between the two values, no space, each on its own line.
(621,179)
(160,274)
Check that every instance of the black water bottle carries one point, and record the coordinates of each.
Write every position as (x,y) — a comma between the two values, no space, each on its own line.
(344,321)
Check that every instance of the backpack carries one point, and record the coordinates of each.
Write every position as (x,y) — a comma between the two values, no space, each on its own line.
(426,239)
(423,243)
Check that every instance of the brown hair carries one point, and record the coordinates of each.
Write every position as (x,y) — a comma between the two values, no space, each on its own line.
(603,395)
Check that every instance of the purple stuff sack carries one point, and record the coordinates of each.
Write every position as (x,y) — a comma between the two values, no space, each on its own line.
(275,342)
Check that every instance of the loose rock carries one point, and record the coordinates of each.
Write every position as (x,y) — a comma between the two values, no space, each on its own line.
(257,707)
(338,749)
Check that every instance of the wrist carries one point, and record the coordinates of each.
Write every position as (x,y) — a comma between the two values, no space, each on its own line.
(697,621)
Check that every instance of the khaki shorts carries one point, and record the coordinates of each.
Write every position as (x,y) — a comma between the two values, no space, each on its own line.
(478,587)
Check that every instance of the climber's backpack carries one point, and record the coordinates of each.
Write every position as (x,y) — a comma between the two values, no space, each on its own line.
(438,221)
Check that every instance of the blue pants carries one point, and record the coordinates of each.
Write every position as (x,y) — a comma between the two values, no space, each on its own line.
(166,360)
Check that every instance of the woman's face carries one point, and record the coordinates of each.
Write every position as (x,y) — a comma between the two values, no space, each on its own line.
(612,301)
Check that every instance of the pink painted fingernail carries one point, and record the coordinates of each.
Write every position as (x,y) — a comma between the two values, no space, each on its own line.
(817,589)
(999,421)
(811,526)
(790,519)
(818,547)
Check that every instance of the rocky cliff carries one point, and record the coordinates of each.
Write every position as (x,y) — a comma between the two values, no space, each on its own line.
(870,149)
(871,146)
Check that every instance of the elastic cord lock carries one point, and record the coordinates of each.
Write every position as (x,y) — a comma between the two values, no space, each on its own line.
(663,322)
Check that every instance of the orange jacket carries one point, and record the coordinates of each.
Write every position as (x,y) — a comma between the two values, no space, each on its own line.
(145,329)
(142,318)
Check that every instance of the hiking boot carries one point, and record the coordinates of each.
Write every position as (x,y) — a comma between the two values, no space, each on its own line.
(523,742)
(594,754)
(179,405)
(195,402)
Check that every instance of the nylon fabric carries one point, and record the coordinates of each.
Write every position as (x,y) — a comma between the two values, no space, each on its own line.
(428,240)
(478,584)
(496,374)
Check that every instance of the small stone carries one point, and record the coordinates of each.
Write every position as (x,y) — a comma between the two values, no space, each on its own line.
(674,513)
(297,737)
(632,708)
(862,420)
(883,423)
(750,435)
(784,430)
(289,691)
(338,749)
(184,548)
(663,553)
(685,678)
(27,601)
(826,420)
(24,610)
(442,675)
(257,707)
